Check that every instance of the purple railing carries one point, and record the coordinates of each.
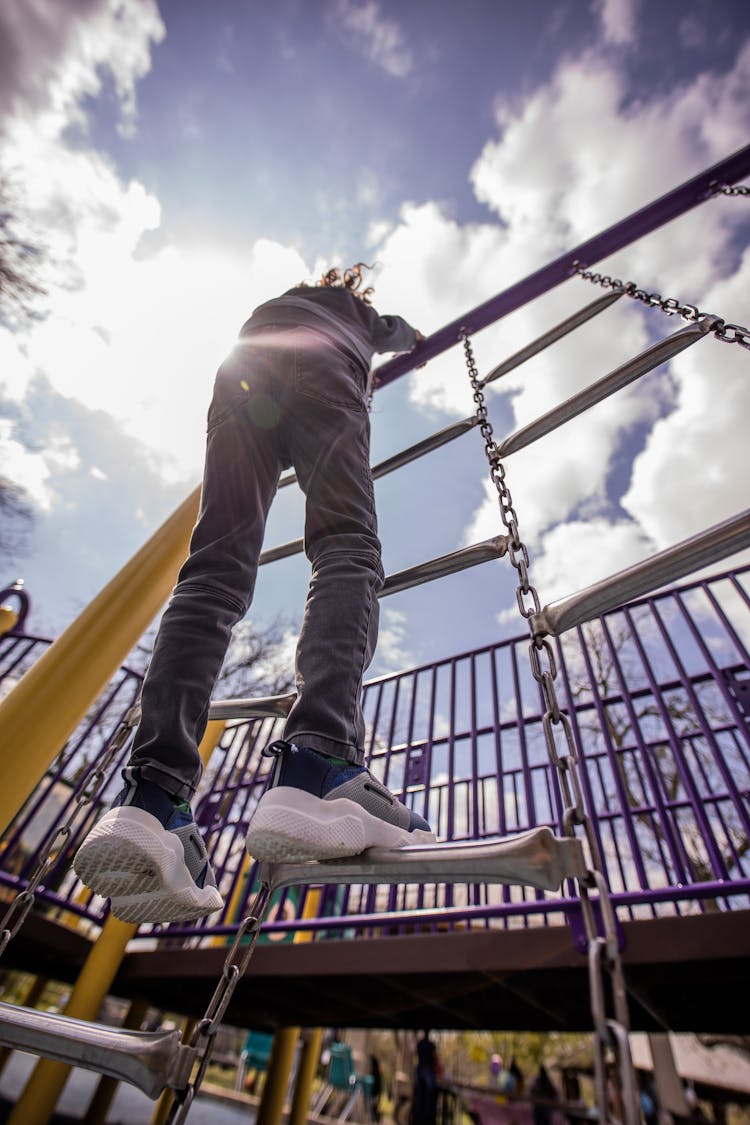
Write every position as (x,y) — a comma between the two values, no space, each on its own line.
(658,693)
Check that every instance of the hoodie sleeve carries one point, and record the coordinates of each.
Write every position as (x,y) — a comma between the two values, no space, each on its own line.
(393,334)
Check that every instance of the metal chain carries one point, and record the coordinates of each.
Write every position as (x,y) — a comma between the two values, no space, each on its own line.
(604,958)
(19,908)
(729,189)
(236,963)
(727,333)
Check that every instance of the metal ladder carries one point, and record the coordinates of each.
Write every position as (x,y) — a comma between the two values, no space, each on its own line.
(153,1061)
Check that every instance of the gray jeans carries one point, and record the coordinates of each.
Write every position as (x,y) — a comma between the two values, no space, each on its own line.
(283,397)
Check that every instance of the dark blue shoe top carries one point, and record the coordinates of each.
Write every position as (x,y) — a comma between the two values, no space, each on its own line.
(301,767)
(173,814)
(140,793)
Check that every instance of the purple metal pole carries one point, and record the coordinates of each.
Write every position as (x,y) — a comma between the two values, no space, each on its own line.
(649,218)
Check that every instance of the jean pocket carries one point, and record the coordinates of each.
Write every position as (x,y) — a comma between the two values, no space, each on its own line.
(331,378)
(220,410)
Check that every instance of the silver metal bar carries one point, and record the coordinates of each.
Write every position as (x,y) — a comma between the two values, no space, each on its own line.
(267,707)
(456,561)
(413,452)
(535,859)
(276,706)
(615,381)
(716,543)
(149,1060)
(426,445)
(285,551)
(556,333)
(423,572)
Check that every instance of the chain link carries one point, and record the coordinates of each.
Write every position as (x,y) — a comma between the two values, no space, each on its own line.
(729,189)
(20,906)
(610,1035)
(204,1035)
(727,333)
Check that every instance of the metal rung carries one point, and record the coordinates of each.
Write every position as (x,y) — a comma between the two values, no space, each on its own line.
(149,1060)
(534,859)
(718,542)
(440,567)
(267,707)
(412,453)
(554,334)
(615,381)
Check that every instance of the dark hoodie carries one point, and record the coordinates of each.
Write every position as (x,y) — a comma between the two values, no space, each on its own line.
(351,326)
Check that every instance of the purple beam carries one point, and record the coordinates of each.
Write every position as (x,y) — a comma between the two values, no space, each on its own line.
(649,218)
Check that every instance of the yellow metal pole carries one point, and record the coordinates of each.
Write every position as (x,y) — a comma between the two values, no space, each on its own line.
(48,1078)
(8,619)
(48,703)
(308,1065)
(271,1108)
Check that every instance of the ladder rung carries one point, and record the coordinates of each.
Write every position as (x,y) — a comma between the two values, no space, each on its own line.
(267,707)
(717,542)
(535,859)
(149,1060)
(616,380)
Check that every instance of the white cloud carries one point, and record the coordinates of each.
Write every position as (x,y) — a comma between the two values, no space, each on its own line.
(693,470)
(392,651)
(579,553)
(552,179)
(133,338)
(618,20)
(380,39)
(53,56)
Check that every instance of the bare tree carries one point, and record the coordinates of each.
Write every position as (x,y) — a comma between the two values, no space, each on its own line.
(15,518)
(257,661)
(667,730)
(20,260)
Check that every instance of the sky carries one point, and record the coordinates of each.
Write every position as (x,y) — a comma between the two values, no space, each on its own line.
(181,162)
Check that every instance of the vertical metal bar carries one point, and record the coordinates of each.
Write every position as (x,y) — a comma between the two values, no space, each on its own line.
(683,769)
(531,817)
(612,757)
(708,656)
(583,764)
(429,744)
(497,732)
(696,704)
(635,726)
(736,639)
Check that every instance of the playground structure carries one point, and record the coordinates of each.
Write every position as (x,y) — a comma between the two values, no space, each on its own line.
(611,759)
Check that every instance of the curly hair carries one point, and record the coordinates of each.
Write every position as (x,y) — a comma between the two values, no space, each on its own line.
(351,279)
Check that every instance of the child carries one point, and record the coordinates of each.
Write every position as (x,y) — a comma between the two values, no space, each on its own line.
(294,392)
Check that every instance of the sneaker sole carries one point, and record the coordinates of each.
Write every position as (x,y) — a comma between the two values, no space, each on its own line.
(291,826)
(129,858)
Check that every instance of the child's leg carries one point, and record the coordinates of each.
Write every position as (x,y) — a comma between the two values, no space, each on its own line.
(146,853)
(323,803)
